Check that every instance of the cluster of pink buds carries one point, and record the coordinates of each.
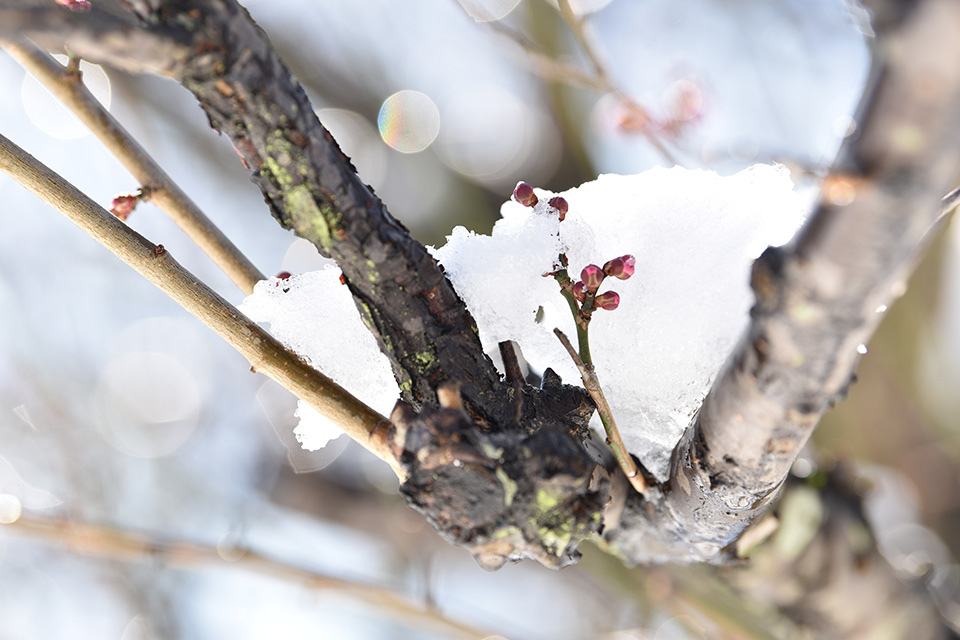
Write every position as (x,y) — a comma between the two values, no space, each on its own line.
(592,277)
(76,5)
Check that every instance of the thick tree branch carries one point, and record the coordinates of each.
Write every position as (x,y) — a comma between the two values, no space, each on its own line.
(537,490)
(818,301)
(96,35)
(420,322)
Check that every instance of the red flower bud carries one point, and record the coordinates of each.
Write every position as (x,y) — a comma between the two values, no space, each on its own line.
(560,204)
(578,292)
(124,204)
(76,5)
(592,276)
(523,193)
(622,267)
(283,275)
(608,300)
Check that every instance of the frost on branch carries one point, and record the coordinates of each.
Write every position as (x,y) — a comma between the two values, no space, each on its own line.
(694,235)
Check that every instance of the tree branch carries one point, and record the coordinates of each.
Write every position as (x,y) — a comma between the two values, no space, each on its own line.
(96,35)
(115,544)
(818,301)
(263,351)
(539,489)
(163,192)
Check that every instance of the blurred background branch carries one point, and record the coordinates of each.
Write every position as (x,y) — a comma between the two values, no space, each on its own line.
(99,541)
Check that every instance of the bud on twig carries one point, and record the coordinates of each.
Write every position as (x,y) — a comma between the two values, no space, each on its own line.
(560,204)
(592,276)
(124,204)
(608,300)
(76,5)
(523,193)
(578,292)
(622,267)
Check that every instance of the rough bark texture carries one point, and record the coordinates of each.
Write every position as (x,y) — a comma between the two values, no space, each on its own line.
(509,488)
(817,300)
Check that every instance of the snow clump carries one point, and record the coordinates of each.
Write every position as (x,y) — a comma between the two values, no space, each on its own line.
(694,235)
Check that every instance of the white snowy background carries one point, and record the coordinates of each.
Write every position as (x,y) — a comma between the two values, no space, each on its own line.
(116,407)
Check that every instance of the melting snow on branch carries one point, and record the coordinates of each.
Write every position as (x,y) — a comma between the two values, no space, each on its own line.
(314,314)
(694,235)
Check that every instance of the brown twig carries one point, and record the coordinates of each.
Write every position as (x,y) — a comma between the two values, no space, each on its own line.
(263,351)
(592,384)
(598,79)
(163,191)
(107,542)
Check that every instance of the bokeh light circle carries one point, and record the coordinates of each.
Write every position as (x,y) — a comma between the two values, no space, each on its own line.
(10,508)
(409,121)
(149,404)
(492,135)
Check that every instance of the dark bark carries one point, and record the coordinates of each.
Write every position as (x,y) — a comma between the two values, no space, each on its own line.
(509,488)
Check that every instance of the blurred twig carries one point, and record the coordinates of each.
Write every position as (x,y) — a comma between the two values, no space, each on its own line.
(262,350)
(107,542)
(163,191)
(598,79)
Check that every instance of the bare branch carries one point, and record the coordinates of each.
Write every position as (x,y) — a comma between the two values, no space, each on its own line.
(95,35)
(816,303)
(262,350)
(163,192)
(592,384)
(550,68)
(116,544)
(818,300)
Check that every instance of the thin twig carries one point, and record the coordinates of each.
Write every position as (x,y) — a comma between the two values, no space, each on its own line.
(128,546)
(514,375)
(263,351)
(592,384)
(163,191)
(576,26)
(548,67)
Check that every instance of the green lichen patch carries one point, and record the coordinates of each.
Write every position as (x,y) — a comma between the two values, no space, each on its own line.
(509,486)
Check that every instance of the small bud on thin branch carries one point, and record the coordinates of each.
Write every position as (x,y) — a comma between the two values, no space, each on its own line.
(608,300)
(523,193)
(560,204)
(622,267)
(591,276)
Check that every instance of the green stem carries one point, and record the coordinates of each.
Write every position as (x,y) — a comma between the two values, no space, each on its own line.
(581,316)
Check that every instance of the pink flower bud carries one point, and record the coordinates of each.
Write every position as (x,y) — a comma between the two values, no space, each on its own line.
(578,292)
(560,204)
(608,300)
(592,276)
(523,193)
(124,204)
(622,267)
(76,5)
